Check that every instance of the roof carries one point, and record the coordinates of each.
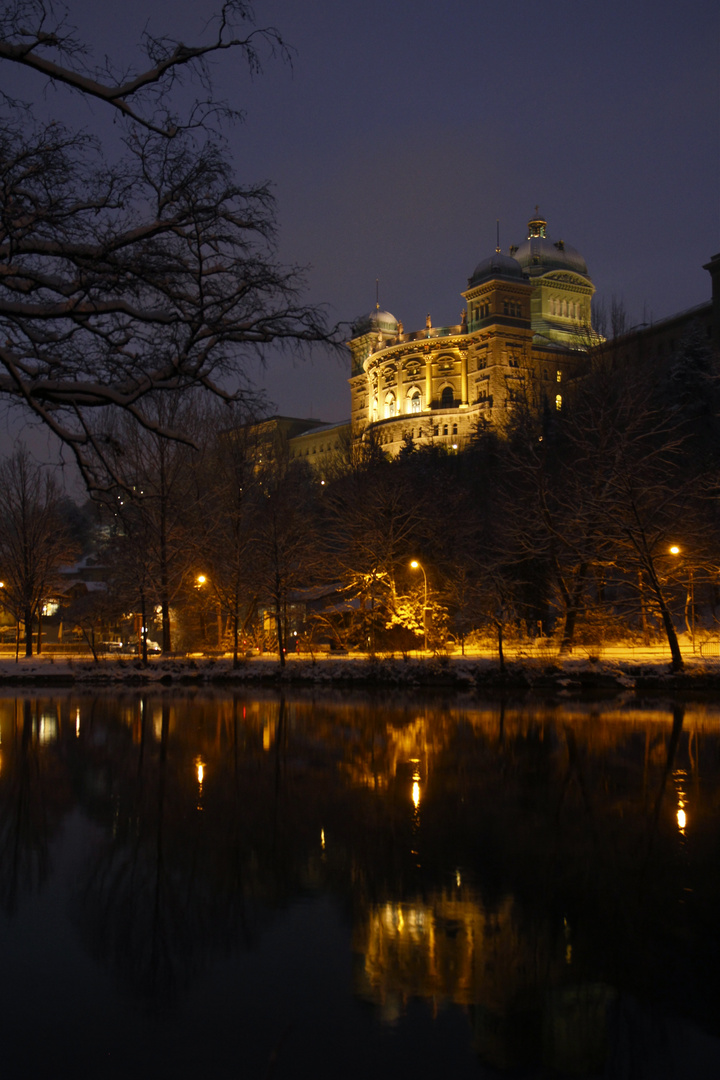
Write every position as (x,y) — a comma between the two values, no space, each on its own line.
(375,320)
(496,266)
(539,255)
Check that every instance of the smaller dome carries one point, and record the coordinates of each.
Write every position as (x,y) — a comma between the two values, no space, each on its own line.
(375,320)
(496,266)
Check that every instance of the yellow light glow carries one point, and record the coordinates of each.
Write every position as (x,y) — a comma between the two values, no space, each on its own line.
(681,820)
(322,839)
(77,723)
(201,579)
(674,550)
(415,564)
(416,794)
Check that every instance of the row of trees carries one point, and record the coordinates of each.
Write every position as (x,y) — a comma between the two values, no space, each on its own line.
(562,523)
(137,273)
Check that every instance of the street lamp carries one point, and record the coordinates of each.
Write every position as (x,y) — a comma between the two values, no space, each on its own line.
(200,581)
(675,550)
(419,566)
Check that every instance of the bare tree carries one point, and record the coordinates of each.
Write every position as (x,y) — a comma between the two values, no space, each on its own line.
(33,538)
(153,274)
(153,543)
(286,542)
(224,519)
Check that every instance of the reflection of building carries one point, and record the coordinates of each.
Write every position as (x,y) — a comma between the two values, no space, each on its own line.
(512,976)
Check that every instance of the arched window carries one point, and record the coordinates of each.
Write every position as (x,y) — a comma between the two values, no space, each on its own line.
(390,404)
(414,401)
(374,408)
(448,398)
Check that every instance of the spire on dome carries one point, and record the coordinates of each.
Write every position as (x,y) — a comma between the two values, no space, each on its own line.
(537,226)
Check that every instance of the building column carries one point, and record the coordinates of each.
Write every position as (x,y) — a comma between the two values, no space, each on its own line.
(463,379)
(400,403)
(428,381)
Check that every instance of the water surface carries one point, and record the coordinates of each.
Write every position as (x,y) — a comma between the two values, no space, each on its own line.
(241,885)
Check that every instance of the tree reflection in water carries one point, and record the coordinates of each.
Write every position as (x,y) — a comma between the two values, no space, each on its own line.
(550,870)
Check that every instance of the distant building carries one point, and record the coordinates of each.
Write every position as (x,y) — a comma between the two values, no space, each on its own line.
(524,333)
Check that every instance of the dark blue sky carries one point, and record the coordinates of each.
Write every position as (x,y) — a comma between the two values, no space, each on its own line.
(405,128)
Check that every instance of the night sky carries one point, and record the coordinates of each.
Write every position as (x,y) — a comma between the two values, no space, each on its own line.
(405,128)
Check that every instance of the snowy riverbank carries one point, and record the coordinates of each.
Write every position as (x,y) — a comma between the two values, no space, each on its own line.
(564,675)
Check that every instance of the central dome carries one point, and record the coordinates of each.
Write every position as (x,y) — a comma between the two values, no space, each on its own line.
(539,254)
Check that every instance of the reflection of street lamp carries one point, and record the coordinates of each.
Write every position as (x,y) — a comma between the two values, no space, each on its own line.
(675,550)
(419,566)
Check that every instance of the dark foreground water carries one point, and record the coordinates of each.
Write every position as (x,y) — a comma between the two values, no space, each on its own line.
(227,886)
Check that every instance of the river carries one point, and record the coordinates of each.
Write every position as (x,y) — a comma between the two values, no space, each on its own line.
(198,884)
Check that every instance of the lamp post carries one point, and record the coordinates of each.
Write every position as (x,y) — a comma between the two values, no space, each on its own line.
(675,550)
(419,566)
(200,581)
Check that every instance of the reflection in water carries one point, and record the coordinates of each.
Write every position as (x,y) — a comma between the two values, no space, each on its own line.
(533,867)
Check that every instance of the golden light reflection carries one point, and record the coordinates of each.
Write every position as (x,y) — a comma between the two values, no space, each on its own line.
(200,773)
(416,792)
(322,839)
(679,777)
(77,723)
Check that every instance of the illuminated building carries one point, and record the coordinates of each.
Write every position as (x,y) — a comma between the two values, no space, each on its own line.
(524,332)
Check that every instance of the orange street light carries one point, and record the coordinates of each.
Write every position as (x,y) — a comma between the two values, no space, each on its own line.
(675,550)
(419,566)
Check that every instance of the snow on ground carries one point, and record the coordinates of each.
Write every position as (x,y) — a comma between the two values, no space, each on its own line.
(618,669)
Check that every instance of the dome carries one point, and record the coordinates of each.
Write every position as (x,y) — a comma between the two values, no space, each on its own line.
(497,266)
(539,254)
(375,320)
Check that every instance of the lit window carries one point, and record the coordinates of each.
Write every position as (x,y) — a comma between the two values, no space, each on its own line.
(448,398)
(558,402)
(559,376)
(415,403)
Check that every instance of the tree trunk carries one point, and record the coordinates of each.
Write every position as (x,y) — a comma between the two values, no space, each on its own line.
(501,654)
(279,630)
(28,631)
(571,610)
(143,630)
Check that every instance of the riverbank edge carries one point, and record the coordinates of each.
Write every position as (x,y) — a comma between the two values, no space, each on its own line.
(442,673)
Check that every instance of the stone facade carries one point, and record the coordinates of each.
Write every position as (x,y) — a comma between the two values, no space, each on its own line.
(525,330)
